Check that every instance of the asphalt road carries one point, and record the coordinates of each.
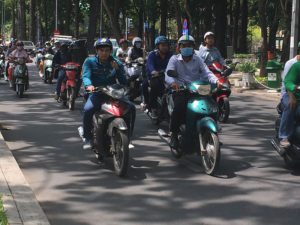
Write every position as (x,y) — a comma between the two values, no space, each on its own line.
(252,187)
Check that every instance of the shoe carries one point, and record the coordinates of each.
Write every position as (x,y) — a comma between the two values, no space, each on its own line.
(87,145)
(143,107)
(174,143)
(284,143)
(154,114)
(56,97)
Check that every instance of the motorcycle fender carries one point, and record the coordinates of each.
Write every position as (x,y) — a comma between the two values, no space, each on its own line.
(71,83)
(117,123)
(207,123)
(19,81)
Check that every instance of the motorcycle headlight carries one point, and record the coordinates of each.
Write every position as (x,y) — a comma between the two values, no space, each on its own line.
(117,94)
(49,69)
(203,89)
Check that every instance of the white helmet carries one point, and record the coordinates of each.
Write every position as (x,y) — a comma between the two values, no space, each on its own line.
(209,33)
(136,39)
(186,38)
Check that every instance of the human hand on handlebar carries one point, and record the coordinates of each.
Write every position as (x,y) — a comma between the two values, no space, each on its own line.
(175,86)
(90,88)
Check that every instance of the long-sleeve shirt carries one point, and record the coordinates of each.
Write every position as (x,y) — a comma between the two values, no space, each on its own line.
(19,54)
(287,67)
(190,71)
(156,63)
(292,80)
(100,74)
(210,55)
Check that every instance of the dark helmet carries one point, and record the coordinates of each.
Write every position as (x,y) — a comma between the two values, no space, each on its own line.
(123,41)
(20,43)
(161,39)
(103,42)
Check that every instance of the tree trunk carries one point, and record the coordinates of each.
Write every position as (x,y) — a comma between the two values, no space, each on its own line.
(77,14)
(141,12)
(287,34)
(94,14)
(113,15)
(178,18)
(244,26)
(236,15)
(13,32)
(273,29)
(33,20)
(263,26)
(221,24)
(163,16)
(208,18)
(22,20)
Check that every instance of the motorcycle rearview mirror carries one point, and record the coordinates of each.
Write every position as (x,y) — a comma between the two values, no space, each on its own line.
(172,73)
(227,72)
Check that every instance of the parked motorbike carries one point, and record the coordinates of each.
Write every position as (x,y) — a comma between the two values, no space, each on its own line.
(47,72)
(291,155)
(222,95)
(199,134)
(113,126)
(18,76)
(68,87)
(135,75)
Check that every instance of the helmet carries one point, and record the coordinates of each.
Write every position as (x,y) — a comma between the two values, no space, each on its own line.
(136,39)
(20,43)
(161,39)
(186,39)
(122,41)
(103,42)
(209,33)
(47,43)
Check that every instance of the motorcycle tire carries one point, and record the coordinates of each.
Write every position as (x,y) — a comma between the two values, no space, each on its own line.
(20,90)
(224,109)
(71,98)
(121,152)
(289,162)
(177,153)
(210,157)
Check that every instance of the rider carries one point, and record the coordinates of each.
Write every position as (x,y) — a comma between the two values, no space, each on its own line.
(101,69)
(208,52)
(290,99)
(122,52)
(60,58)
(2,57)
(188,67)
(157,62)
(57,46)
(136,50)
(20,52)
(47,50)
(12,47)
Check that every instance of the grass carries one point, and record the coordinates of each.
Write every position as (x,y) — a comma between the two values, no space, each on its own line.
(3,217)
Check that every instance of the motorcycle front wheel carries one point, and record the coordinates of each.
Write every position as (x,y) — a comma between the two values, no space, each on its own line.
(224,109)
(71,98)
(210,154)
(121,152)
(20,90)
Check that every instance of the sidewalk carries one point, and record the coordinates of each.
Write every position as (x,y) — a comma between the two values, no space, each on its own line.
(20,204)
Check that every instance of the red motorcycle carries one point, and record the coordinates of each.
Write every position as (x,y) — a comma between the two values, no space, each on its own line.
(68,87)
(222,94)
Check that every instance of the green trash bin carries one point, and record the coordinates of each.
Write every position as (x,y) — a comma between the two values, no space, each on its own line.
(274,69)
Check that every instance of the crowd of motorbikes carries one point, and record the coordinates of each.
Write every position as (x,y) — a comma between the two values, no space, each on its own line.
(114,123)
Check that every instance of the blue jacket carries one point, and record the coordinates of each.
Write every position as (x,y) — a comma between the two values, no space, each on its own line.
(97,74)
(155,63)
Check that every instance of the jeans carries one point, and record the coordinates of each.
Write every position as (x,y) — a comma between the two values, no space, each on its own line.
(179,112)
(287,124)
(145,91)
(61,77)
(157,90)
(92,105)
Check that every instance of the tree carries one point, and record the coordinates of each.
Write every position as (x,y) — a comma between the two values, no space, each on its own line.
(236,19)
(33,21)
(22,20)
(221,24)
(114,13)
(264,32)
(94,14)
(163,16)
(244,26)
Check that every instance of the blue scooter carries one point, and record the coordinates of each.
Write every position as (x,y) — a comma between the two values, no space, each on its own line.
(199,134)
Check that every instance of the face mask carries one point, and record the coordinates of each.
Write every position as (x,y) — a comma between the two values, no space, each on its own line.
(138,45)
(19,48)
(186,52)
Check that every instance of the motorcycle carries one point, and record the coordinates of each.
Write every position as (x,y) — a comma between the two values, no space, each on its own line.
(113,127)
(291,155)
(68,87)
(18,76)
(39,57)
(135,74)
(47,73)
(222,95)
(199,134)
(2,65)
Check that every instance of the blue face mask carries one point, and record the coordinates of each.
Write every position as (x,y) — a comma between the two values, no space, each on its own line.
(186,52)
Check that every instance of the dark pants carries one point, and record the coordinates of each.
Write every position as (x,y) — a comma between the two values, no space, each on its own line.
(145,91)
(179,112)
(157,90)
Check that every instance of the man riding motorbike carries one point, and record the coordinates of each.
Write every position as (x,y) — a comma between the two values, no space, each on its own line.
(208,52)
(290,105)
(60,58)
(47,50)
(157,62)
(101,69)
(187,67)
(136,50)
(19,52)
(122,52)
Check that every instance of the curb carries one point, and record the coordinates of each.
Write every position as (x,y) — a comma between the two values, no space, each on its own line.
(259,93)
(20,203)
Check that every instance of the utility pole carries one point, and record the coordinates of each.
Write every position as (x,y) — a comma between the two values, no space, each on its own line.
(294,28)
(56,19)
(126,28)
(101,19)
